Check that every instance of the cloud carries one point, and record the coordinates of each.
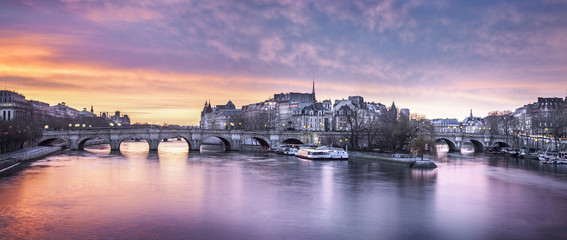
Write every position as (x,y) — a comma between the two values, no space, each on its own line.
(133,54)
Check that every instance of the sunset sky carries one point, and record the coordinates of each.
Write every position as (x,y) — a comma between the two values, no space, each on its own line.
(158,61)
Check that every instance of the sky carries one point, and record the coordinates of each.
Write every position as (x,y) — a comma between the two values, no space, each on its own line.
(159,61)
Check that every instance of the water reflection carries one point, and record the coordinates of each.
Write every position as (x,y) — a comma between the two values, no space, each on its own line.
(175,193)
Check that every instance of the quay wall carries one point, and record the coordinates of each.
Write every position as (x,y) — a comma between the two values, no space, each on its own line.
(13,159)
(393,158)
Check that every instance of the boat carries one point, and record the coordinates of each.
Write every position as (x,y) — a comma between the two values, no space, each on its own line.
(553,158)
(286,149)
(322,153)
(290,151)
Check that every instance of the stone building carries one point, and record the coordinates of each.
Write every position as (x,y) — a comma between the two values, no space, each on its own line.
(315,117)
(446,125)
(355,107)
(221,116)
(472,125)
(13,105)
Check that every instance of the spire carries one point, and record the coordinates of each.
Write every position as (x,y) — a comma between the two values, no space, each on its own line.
(313,91)
(92,111)
(471,114)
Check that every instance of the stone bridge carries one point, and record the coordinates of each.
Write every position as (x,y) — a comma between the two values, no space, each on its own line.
(233,139)
(479,141)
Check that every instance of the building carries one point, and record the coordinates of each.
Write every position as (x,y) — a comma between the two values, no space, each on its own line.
(549,117)
(405,114)
(345,110)
(221,116)
(314,117)
(13,105)
(118,119)
(61,110)
(472,125)
(446,125)
(86,113)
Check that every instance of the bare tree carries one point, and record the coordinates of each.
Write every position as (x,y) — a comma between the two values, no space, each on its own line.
(557,122)
(356,124)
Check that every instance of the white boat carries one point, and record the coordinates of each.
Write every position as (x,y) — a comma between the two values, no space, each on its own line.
(553,157)
(322,153)
(290,151)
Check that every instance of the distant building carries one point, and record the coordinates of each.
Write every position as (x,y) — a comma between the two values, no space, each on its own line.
(472,124)
(345,110)
(13,105)
(61,110)
(446,125)
(404,113)
(547,114)
(118,119)
(314,117)
(221,116)
(86,113)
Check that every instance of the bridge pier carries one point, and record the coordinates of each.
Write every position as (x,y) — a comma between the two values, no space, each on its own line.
(195,145)
(74,145)
(235,145)
(115,145)
(154,144)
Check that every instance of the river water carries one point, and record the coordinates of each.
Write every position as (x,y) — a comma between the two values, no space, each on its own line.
(176,194)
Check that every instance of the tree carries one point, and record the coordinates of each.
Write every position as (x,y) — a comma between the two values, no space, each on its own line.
(356,125)
(421,144)
(557,124)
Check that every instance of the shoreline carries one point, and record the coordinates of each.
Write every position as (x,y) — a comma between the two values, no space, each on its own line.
(392,158)
(11,160)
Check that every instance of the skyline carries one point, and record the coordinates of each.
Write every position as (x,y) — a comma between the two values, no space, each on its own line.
(159,62)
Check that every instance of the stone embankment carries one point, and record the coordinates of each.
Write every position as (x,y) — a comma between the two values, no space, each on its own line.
(404,159)
(14,159)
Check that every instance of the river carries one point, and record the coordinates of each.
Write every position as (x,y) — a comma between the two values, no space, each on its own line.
(176,194)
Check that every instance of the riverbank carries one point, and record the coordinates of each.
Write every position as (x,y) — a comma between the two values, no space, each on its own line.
(393,158)
(11,160)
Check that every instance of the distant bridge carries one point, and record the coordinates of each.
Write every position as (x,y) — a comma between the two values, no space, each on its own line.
(456,140)
(232,139)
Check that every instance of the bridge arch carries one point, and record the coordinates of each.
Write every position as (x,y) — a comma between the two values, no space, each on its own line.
(502,144)
(477,145)
(54,140)
(81,142)
(452,145)
(226,142)
(179,137)
(292,141)
(263,142)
